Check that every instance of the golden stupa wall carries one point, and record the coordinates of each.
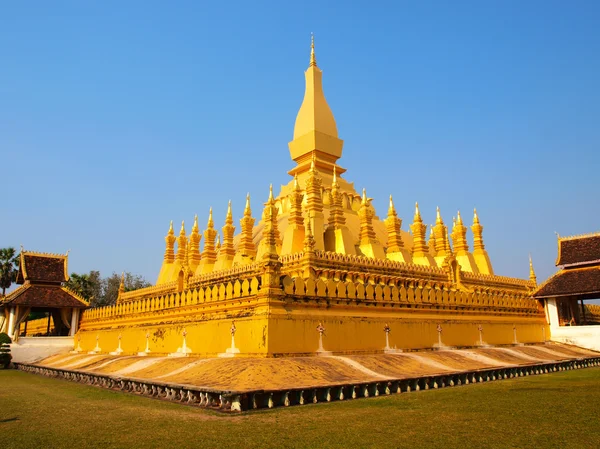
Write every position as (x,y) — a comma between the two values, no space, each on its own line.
(354,313)
(304,267)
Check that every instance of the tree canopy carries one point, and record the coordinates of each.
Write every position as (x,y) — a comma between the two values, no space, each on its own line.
(9,267)
(103,291)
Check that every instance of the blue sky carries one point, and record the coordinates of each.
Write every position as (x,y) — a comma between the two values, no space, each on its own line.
(116,117)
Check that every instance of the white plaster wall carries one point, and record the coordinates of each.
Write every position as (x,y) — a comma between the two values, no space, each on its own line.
(582,336)
(32,349)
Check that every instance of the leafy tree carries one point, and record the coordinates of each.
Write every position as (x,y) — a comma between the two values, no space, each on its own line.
(103,291)
(9,267)
(81,284)
(111,286)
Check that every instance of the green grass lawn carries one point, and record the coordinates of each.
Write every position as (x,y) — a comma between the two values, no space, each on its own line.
(554,410)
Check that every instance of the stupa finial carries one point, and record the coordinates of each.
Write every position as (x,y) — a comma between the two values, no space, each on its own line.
(364,196)
(313,58)
(438,216)
(121,286)
(170,241)
(417,218)
(247,210)
(532,276)
(195,226)
(229,215)
(211,223)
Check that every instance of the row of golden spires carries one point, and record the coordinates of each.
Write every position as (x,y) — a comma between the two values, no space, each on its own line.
(438,240)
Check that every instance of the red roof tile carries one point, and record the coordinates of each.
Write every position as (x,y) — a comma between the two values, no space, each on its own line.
(34,295)
(574,281)
(578,250)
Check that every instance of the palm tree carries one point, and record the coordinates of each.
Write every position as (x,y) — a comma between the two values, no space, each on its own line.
(81,284)
(9,267)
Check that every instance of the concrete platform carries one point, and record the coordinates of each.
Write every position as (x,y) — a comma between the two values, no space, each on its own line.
(256,382)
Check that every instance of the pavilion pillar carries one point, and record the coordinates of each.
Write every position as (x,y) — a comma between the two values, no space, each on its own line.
(48,327)
(552,312)
(11,321)
(575,311)
(74,322)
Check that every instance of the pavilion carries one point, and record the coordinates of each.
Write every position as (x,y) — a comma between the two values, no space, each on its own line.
(42,277)
(576,281)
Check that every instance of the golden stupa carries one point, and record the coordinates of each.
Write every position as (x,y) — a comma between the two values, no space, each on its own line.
(320,271)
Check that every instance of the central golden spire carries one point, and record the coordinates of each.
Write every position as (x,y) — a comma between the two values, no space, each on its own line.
(313,59)
(315,131)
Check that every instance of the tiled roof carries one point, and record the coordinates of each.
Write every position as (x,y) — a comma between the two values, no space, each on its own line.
(574,281)
(42,268)
(578,250)
(34,295)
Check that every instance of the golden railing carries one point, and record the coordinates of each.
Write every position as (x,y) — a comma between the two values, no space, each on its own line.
(411,294)
(190,297)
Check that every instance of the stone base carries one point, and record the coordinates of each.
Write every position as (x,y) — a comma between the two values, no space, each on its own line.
(181,352)
(323,353)
(230,352)
(391,351)
(443,347)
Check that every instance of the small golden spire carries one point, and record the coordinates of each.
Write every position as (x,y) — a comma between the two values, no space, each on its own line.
(364,197)
(218,247)
(193,245)
(417,217)
(121,286)
(453,223)
(532,276)
(247,210)
(211,223)
(313,59)
(229,215)
(296,181)
(182,245)
(475,217)
(170,241)
(312,163)
(391,209)
(438,217)
(271,199)
(334,176)
(458,218)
